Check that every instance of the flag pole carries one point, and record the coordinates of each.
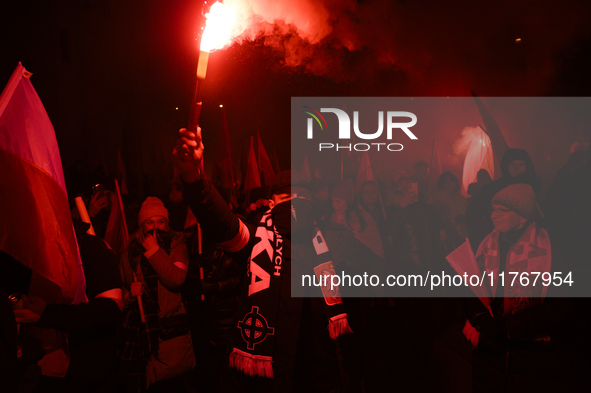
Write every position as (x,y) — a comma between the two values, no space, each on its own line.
(140,304)
(200,248)
(84,214)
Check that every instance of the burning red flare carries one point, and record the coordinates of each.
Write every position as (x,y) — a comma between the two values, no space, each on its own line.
(218,27)
(217,34)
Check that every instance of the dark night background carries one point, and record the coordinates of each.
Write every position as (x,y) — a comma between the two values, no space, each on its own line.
(112,73)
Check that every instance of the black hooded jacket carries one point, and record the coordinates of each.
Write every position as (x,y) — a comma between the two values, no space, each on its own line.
(478,221)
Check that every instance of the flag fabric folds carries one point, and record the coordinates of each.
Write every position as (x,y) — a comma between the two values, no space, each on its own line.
(463,261)
(265,167)
(492,129)
(479,156)
(306,168)
(36,226)
(252,179)
(116,234)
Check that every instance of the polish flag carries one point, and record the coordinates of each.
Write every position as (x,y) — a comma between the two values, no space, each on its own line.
(36,226)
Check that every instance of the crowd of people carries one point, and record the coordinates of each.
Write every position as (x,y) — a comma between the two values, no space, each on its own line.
(209,307)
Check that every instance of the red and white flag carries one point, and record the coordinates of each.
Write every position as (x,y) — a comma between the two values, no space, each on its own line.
(265,166)
(492,129)
(252,179)
(480,156)
(36,226)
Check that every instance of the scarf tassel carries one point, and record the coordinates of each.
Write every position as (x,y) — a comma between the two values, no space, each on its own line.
(338,325)
(252,365)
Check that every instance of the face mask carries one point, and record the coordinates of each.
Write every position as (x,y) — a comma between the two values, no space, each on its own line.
(164,238)
(293,216)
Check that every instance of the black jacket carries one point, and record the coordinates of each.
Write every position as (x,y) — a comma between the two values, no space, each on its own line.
(314,362)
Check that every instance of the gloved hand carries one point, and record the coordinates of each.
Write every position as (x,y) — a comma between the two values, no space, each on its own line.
(137,288)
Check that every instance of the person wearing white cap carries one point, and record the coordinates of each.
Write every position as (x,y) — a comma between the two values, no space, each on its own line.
(154,267)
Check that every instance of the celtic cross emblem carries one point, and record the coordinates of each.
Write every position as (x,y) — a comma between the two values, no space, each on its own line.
(254,328)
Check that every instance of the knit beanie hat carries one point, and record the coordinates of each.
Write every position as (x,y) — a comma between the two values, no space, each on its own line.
(519,198)
(345,191)
(151,207)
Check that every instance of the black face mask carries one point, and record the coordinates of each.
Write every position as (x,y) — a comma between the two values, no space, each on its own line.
(164,238)
(293,216)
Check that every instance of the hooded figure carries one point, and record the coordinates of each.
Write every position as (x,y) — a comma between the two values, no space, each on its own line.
(516,167)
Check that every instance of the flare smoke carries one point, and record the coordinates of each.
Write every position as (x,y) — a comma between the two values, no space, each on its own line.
(432,47)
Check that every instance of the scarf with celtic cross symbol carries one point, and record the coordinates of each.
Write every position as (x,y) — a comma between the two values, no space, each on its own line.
(268,317)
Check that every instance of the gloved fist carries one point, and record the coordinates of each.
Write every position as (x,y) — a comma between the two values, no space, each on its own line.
(188,153)
(137,288)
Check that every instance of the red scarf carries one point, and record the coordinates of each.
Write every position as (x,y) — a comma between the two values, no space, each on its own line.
(531,253)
